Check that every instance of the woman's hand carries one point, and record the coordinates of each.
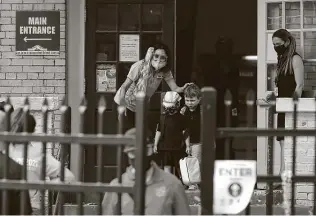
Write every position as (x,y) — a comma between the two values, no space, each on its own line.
(155,149)
(270,96)
(188,150)
(185,86)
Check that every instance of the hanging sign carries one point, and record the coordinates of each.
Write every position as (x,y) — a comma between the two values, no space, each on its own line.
(129,47)
(234,182)
(37,32)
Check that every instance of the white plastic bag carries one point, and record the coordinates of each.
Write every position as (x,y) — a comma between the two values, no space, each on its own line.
(190,170)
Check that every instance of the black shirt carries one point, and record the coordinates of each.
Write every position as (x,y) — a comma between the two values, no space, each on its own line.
(286,83)
(14,196)
(193,119)
(171,128)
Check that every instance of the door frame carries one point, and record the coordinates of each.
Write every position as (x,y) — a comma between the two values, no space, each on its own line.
(91,94)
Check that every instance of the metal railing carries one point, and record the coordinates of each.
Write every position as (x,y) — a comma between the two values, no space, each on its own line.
(209,133)
(64,139)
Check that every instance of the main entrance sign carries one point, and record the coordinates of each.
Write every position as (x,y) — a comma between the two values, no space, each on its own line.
(37,32)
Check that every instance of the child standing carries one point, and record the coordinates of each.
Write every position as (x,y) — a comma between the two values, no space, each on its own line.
(170,134)
(192,113)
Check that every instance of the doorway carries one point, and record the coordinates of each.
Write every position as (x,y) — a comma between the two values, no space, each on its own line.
(118,33)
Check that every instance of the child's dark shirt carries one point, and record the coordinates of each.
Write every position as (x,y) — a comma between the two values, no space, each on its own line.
(193,121)
(171,128)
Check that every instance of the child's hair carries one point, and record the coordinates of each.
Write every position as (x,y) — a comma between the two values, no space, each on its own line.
(192,91)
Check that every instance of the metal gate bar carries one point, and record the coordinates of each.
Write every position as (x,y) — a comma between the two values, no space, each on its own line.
(209,133)
(80,187)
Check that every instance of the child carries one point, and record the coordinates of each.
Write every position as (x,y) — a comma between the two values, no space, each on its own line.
(192,113)
(170,134)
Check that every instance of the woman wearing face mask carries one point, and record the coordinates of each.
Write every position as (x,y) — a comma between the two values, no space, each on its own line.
(146,75)
(289,75)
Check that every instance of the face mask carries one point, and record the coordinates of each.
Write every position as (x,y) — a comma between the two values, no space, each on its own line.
(157,64)
(280,49)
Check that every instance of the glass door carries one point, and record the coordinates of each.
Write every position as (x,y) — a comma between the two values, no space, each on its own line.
(299,18)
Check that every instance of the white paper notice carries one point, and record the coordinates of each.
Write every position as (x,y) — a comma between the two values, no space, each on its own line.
(129,47)
(234,182)
(271,54)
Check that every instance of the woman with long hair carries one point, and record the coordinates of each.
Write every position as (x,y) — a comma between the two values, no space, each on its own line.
(289,75)
(145,76)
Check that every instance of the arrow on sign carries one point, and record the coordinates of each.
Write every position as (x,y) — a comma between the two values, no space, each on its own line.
(36,39)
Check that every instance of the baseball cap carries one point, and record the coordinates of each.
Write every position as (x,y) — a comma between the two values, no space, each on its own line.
(130,150)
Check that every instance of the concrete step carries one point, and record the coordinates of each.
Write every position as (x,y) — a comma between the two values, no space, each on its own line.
(254,210)
(259,197)
(258,203)
(93,209)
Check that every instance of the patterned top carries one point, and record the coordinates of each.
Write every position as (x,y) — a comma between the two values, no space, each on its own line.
(144,79)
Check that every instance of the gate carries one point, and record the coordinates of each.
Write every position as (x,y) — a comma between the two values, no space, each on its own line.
(209,133)
(79,187)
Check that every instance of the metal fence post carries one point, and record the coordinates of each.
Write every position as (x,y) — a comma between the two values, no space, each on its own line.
(141,129)
(208,135)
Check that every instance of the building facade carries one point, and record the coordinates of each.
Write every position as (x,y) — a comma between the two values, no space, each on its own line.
(32,76)
(92,38)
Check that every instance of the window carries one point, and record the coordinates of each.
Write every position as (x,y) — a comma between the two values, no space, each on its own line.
(299,18)
(114,20)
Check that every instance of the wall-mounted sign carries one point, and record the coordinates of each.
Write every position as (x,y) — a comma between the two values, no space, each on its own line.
(129,47)
(37,32)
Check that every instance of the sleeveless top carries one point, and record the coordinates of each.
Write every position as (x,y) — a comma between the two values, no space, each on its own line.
(286,83)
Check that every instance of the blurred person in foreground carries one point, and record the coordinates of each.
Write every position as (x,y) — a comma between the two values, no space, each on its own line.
(14,173)
(35,158)
(165,193)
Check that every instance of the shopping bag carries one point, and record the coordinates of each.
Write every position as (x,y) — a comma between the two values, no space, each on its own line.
(190,170)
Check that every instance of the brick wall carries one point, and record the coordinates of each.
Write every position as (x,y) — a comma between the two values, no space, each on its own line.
(305,156)
(35,76)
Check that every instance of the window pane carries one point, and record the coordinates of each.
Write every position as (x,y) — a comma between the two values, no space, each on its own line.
(106,17)
(147,41)
(292,15)
(309,14)
(274,16)
(310,45)
(271,72)
(106,47)
(152,17)
(106,78)
(297,36)
(310,76)
(129,17)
